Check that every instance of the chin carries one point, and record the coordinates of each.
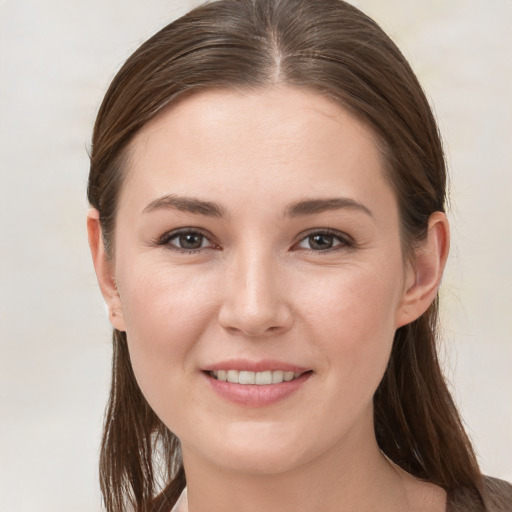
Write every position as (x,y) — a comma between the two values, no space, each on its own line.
(261,448)
(248,448)
(260,460)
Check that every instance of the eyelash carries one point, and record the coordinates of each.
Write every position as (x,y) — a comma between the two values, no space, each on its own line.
(345,242)
(165,240)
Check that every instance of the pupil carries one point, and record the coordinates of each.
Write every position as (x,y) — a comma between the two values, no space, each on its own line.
(320,241)
(191,241)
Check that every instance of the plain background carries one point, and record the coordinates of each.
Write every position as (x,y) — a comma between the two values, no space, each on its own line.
(57,58)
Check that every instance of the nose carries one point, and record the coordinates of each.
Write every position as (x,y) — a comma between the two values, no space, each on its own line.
(255,302)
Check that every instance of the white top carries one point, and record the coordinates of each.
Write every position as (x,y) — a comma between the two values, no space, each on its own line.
(182,503)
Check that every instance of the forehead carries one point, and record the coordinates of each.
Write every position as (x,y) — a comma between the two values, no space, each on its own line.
(287,111)
(280,143)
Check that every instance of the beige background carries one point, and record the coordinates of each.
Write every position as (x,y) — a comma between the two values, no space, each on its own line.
(57,58)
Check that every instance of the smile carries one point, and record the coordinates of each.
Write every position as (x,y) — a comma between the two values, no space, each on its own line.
(251,388)
(264,378)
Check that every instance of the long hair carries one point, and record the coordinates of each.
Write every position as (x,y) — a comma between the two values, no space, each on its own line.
(330,47)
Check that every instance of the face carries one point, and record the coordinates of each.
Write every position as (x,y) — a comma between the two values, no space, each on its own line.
(260,275)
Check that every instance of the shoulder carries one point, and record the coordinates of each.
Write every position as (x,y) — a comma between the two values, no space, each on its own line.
(497,495)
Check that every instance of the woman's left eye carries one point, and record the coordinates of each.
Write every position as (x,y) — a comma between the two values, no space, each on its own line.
(324,241)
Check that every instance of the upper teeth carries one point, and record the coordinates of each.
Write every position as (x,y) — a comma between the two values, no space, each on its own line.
(260,378)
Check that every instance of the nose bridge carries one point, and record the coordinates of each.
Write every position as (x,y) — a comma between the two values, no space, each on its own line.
(255,301)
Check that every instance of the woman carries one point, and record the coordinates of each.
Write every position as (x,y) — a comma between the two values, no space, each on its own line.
(267,226)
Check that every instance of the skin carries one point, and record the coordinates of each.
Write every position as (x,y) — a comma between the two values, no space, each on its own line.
(259,288)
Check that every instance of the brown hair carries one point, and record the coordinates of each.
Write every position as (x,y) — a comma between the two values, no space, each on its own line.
(331,47)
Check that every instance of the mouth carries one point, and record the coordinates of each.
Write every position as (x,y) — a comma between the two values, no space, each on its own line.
(256,384)
(262,378)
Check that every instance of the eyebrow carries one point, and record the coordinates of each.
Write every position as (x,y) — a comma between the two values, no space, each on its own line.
(186,204)
(297,209)
(312,206)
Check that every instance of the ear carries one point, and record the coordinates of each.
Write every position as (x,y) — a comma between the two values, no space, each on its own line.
(104,270)
(425,271)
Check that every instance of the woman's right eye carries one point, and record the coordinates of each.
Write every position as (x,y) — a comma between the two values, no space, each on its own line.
(186,241)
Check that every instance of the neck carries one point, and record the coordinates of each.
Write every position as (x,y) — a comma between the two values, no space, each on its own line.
(353,475)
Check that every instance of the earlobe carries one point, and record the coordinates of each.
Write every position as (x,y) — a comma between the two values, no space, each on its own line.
(104,270)
(426,271)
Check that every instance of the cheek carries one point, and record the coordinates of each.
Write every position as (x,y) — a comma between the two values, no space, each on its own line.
(166,301)
(353,301)
(166,313)
(351,316)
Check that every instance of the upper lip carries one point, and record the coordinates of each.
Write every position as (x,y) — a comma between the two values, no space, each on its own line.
(254,366)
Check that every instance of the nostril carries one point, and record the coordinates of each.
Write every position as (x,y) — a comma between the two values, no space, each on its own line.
(243,314)
(253,333)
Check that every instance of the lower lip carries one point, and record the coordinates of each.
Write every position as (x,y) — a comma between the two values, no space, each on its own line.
(254,395)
